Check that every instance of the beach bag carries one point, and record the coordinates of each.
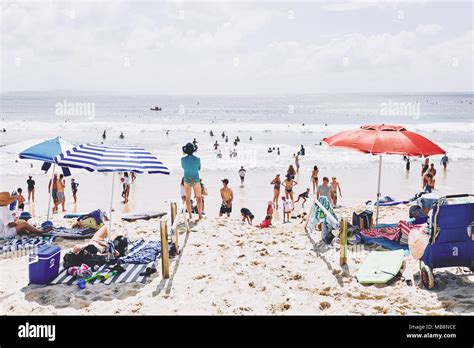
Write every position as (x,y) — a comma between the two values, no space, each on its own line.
(121,245)
(363,220)
(416,212)
(87,255)
(326,234)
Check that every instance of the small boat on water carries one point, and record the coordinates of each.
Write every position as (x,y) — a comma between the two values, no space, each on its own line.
(156,108)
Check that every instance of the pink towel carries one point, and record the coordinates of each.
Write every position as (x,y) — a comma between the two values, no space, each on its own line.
(391,233)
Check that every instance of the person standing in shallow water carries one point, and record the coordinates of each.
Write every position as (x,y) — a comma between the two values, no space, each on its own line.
(191,166)
(444,161)
(31,189)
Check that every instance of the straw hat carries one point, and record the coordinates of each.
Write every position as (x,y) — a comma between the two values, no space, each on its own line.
(6,198)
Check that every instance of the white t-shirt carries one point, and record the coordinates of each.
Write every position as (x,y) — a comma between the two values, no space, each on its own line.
(5,218)
(288,206)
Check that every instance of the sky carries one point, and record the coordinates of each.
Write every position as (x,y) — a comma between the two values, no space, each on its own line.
(237,47)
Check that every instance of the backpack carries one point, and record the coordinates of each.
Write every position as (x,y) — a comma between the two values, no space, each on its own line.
(121,245)
(87,255)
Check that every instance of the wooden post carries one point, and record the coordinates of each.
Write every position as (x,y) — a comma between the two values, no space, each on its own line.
(186,223)
(165,261)
(174,211)
(343,253)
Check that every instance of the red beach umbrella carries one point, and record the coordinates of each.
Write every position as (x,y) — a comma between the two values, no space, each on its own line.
(384,139)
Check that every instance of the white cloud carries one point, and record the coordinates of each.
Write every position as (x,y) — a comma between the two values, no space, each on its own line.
(195,54)
(428,29)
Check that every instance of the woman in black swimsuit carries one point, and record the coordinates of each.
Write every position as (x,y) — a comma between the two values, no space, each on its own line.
(276,189)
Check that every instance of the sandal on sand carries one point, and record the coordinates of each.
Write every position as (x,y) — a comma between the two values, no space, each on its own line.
(149,271)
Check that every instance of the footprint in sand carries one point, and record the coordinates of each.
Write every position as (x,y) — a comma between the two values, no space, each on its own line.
(296,276)
(279,307)
(324,305)
(201,276)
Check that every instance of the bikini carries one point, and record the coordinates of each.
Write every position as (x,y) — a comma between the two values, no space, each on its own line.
(277,185)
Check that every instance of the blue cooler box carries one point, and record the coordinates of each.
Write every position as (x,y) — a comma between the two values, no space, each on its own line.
(44,264)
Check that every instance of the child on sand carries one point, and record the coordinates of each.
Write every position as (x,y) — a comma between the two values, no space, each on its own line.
(334,187)
(267,222)
(247,215)
(227,196)
(270,208)
(287,209)
(304,196)
(20,199)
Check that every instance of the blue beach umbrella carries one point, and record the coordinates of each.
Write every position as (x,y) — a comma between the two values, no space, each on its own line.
(46,151)
(110,159)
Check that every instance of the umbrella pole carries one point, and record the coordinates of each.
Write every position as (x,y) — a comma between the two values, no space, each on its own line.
(378,191)
(50,193)
(111,203)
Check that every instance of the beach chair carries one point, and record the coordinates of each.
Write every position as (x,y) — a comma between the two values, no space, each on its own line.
(451,243)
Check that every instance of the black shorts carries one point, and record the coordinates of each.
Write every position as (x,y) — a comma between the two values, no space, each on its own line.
(225,210)
(30,189)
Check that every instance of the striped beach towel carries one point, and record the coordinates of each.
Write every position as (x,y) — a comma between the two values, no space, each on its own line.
(131,275)
(23,245)
(72,233)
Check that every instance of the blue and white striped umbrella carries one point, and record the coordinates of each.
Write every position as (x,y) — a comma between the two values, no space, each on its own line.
(112,158)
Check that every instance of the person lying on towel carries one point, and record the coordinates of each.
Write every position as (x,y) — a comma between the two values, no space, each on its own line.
(98,244)
(94,219)
(9,228)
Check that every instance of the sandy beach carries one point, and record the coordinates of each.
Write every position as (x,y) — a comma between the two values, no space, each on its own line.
(228,267)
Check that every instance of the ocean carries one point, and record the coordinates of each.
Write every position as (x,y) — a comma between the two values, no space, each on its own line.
(284,121)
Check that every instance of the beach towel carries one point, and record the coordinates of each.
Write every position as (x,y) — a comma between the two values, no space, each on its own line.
(24,244)
(73,215)
(390,233)
(317,216)
(386,243)
(143,252)
(72,233)
(133,273)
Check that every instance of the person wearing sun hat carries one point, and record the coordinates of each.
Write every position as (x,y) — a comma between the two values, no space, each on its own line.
(9,228)
(191,166)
